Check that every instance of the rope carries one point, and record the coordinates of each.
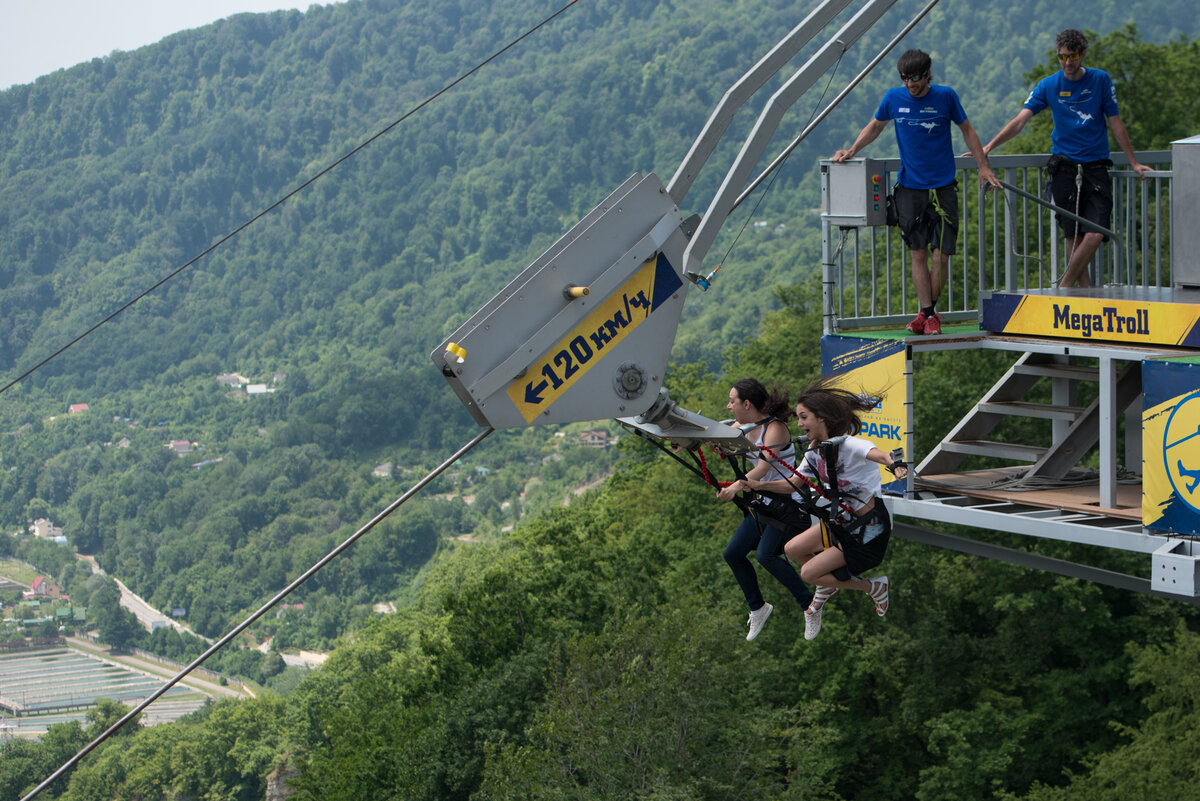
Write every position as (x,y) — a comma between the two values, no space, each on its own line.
(704,470)
(774,175)
(288,196)
(943,218)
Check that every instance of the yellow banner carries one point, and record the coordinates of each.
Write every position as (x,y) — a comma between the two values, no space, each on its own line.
(1103,319)
(876,367)
(1171,467)
(569,360)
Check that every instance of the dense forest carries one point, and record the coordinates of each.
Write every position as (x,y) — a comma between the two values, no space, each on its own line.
(593,651)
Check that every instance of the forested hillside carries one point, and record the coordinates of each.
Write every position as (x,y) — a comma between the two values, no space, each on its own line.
(596,651)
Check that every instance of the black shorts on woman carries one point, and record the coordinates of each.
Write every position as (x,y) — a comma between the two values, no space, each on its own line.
(860,556)
(928,217)
(791,518)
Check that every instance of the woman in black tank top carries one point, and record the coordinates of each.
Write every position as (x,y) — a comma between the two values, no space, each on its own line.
(751,404)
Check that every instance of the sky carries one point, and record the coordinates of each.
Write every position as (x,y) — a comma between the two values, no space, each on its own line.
(38,37)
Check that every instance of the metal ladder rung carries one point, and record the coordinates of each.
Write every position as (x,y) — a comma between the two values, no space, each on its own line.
(935,496)
(993,506)
(1074,372)
(1041,514)
(1027,409)
(997,450)
(1074,516)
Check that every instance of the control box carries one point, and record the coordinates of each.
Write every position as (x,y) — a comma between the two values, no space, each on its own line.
(854,193)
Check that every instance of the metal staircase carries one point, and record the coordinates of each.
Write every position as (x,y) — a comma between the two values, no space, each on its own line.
(1075,429)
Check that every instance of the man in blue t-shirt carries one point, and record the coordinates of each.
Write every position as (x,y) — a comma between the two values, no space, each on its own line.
(926,194)
(1080,101)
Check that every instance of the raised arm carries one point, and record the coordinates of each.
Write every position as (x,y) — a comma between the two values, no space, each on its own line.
(865,137)
(885,459)
(1010,130)
(986,176)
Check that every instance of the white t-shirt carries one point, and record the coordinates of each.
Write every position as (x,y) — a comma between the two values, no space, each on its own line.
(858,477)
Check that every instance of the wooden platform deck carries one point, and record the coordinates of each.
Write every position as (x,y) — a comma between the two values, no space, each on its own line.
(1082,499)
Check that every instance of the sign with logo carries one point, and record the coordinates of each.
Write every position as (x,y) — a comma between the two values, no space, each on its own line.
(581,349)
(1171,446)
(874,366)
(1089,318)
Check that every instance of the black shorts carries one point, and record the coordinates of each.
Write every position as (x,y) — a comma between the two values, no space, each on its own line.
(860,556)
(1095,199)
(926,224)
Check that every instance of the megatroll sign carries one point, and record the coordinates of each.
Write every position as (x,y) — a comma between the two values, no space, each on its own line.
(1110,319)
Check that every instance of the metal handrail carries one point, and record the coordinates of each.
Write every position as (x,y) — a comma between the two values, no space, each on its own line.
(868,285)
(1060,210)
(1010,238)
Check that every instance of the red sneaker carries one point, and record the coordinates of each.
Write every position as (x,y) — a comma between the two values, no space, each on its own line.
(917,326)
(933,325)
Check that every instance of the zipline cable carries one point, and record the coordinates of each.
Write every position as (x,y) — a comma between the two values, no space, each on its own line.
(767,191)
(239,628)
(289,195)
(814,120)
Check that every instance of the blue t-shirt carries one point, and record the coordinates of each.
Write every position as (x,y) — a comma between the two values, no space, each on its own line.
(1080,110)
(923,134)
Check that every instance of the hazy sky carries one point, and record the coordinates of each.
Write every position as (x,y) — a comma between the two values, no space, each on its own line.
(38,37)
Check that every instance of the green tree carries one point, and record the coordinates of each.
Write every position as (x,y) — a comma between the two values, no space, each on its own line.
(1158,757)
(116,625)
(640,711)
(37,509)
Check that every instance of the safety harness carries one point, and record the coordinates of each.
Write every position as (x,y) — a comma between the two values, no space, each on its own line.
(1056,163)
(838,520)
(840,525)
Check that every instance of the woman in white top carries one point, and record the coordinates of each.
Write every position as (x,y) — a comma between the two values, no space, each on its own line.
(752,405)
(833,554)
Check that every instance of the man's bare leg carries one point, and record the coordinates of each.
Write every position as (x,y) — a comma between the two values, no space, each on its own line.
(922,282)
(937,280)
(1082,250)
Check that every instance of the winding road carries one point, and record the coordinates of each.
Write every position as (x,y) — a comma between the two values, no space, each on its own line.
(146,614)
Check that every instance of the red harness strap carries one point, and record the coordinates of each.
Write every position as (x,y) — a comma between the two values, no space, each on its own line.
(776,460)
(707,475)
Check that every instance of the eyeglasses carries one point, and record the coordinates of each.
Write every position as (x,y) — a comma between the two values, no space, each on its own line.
(1070,57)
(914,78)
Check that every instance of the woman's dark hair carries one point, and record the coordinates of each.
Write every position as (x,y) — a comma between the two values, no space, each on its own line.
(838,408)
(774,403)
(1072,40)
(914,62)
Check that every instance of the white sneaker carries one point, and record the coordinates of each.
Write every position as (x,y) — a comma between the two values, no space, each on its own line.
(812,622)
(757,618)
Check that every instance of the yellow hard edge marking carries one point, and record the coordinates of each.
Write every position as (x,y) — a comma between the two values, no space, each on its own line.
(642,280)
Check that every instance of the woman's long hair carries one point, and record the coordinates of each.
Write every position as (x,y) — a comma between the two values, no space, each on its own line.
(773,402)
(839,408)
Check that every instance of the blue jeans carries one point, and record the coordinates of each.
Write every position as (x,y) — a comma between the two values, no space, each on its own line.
(768,549)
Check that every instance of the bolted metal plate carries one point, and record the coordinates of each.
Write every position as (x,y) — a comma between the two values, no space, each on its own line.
(539,353)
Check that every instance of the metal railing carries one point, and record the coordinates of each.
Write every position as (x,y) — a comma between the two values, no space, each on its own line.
(1006,242)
